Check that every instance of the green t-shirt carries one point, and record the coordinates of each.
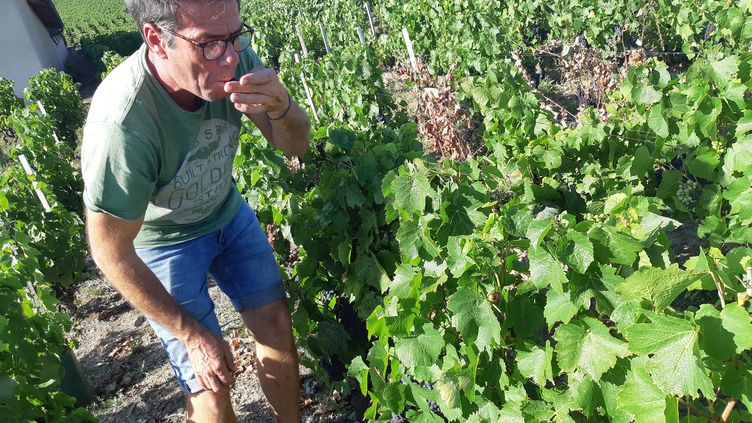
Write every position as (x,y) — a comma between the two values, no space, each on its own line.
(143,155)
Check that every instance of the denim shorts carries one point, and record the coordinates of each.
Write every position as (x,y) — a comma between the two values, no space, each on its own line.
(239,259)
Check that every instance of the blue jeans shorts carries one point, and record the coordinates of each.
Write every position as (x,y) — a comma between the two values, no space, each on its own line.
(241,261)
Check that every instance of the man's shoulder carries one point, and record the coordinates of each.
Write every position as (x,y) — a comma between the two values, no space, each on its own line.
(120,91)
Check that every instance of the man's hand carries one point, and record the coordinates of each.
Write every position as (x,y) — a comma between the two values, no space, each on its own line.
(259,92)
(212,360)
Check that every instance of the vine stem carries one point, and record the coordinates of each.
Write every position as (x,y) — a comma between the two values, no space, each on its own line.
(719,287)
(728,409)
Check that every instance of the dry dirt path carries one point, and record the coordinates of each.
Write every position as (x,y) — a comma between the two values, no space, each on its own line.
(132,380)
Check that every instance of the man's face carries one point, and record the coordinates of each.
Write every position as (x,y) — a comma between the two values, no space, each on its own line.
(188,69)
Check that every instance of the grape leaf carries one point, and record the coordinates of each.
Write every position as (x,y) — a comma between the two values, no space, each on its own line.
(738,383)
(559,308)
(410,192)
(408,236)
(545,270)
(474,318)
(587,346)
(657,122)
(538,230)
(421,350)
(721,71)
(648,95)
(535,363)
(659,286)
(737,321)
(581,255)
(640,397)
(715,341)
(675,365)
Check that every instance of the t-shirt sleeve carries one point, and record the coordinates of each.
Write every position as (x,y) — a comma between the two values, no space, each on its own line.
(119,171)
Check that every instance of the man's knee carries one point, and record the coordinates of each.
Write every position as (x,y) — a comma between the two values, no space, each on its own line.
(209,406)
(271,320)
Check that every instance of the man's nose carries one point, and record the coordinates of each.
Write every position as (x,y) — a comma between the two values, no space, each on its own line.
(230,58)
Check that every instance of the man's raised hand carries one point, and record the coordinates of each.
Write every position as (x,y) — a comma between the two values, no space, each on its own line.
(259,91)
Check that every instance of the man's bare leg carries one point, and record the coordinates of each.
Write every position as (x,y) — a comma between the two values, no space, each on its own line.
(277,358)
(209,407)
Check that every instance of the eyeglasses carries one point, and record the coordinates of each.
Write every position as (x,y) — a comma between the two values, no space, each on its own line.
(216,48)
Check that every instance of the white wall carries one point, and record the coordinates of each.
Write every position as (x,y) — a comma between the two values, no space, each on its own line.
(26,45)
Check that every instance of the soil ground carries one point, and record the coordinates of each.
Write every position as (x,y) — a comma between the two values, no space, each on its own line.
(131,379)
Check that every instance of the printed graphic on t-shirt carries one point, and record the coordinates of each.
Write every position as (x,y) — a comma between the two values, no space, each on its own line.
(204,178)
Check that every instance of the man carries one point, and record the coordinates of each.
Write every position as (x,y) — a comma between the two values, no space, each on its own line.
(163,211)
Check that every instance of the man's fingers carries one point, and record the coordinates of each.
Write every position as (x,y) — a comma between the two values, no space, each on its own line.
(229,359)
(252,82)
(254,98)
(259,76)
(202,380)
(224,374)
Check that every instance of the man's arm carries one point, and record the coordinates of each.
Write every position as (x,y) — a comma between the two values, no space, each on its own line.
(111,243)
(263,98)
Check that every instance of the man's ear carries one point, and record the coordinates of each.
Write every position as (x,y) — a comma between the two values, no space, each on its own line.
(154,40)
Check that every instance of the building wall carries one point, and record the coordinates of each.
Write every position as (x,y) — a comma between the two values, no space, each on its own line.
(26,44)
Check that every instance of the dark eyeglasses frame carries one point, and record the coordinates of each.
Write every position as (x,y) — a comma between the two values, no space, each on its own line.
(245,31)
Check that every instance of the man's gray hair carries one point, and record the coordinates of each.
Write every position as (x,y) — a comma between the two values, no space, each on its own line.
(162,13)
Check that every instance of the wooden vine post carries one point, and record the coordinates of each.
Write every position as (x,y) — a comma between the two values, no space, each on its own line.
(302,41)
(325,38)
(370,19)
(361,37)
(309,95)
(30,172)
(43,111)
(410,52)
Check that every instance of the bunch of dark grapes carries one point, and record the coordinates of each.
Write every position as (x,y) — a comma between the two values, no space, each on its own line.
(326,296)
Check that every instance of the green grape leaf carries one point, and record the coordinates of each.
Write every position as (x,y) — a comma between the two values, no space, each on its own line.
(587,346)
(640,397)
(659,286)
(675,365)
(715,340)
(558,308)
(473,317)
(642,161)
(738,383)
(457,258)
(581,255)
(535,363)
(737,321)
(657,122)
(721,71)
(648,95)
(359,371)
(744,124)
(394,396)
(669,184)
(410,192)
(537,231)
(705,163)
(546,270)
(408,236)
(421,350)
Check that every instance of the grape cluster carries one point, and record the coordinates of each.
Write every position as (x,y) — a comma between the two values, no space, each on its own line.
(719,146)
(433,406)
(688,193)
(326,296)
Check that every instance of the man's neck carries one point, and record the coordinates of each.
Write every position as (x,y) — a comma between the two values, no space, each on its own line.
(183,98)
